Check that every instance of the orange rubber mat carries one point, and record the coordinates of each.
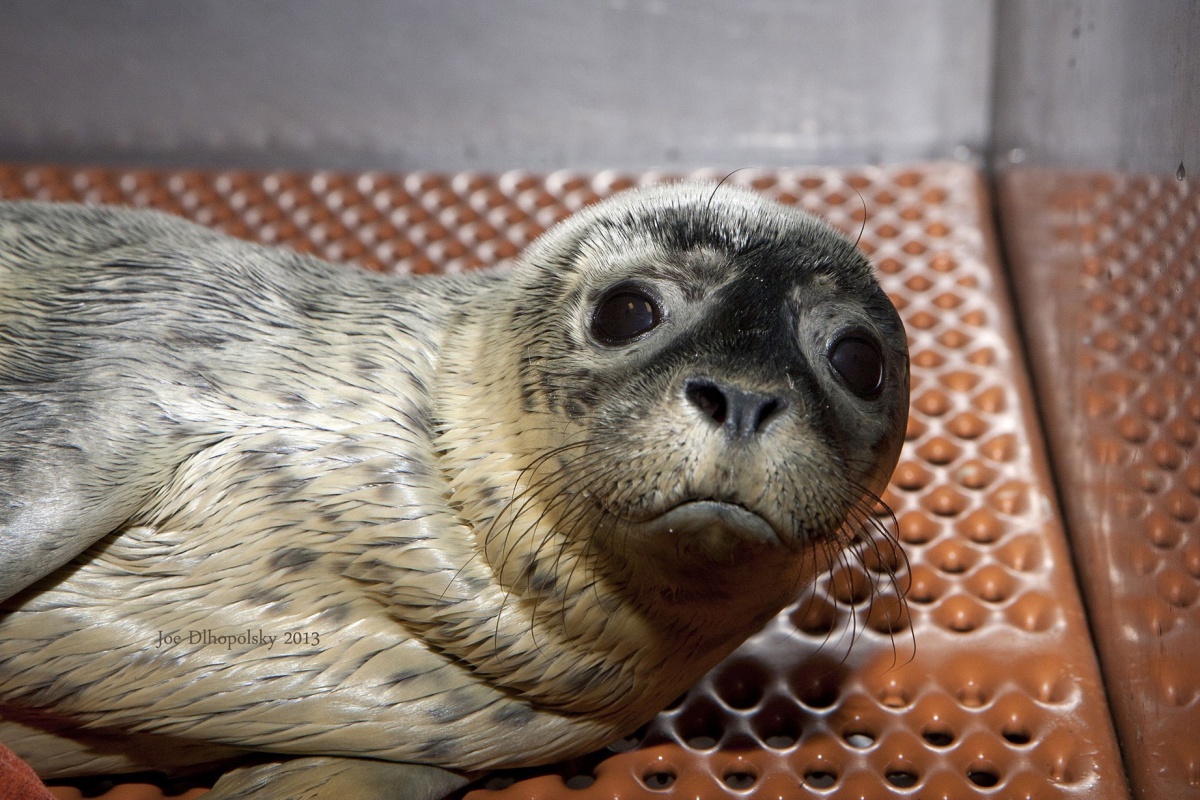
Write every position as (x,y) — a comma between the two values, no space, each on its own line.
(1002,696)
(1107,270)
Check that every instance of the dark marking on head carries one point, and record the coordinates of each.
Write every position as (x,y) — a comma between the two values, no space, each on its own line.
(529,392)
(575,410)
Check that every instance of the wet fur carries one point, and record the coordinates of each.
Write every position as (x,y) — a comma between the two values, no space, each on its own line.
(445,479)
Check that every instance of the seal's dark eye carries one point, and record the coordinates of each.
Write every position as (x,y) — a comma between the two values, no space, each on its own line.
(855,357)
(623,315)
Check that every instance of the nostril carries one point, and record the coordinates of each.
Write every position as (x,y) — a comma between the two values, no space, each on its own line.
(742,413)
(709,399)
(767,410)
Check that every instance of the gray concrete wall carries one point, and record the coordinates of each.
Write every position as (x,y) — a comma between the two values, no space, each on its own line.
(491,84)
(1098,83)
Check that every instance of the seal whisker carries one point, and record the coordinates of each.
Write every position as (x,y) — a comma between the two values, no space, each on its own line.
(565,530)
(720,183)
(863,518)
(863,226)
(522,489)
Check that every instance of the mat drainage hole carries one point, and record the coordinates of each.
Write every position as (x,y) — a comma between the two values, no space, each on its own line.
(580,781)
(700,724)
(815,691)
(902,778)
(780,742)
(1017,737)
(820,698)
(740,684)
(739,779)
(658,781)
(820,779)
(626,744)
(938,738)
(859,739)
(815,618)
(984,778)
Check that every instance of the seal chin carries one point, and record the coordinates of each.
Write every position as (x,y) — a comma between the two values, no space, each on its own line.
(701,520)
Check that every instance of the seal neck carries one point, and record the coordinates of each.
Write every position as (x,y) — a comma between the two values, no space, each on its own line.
(532,602)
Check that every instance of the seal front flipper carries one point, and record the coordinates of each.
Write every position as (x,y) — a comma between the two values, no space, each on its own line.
(336,779)
(80,446)
(68,477)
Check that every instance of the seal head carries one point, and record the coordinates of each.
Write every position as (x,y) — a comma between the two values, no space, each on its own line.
(701,387)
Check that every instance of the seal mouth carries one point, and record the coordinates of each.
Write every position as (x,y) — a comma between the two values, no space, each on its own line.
(714,517)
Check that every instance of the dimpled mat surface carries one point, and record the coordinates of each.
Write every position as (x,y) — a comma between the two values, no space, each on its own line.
(1107,270)
(1001,696)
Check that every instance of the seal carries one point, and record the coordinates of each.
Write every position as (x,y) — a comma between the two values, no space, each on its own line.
(384,533)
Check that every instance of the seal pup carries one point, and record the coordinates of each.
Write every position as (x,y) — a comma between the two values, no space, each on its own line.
(391,532)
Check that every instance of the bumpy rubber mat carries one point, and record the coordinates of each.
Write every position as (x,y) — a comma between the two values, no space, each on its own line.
(1107,270)
(1001,696)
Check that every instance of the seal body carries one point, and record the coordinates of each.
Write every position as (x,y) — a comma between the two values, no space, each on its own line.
(254,502)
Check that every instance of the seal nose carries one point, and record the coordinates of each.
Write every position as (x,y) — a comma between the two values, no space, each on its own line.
(743,414)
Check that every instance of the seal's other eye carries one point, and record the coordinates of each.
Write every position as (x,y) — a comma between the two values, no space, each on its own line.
(855,357)
(624,314)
